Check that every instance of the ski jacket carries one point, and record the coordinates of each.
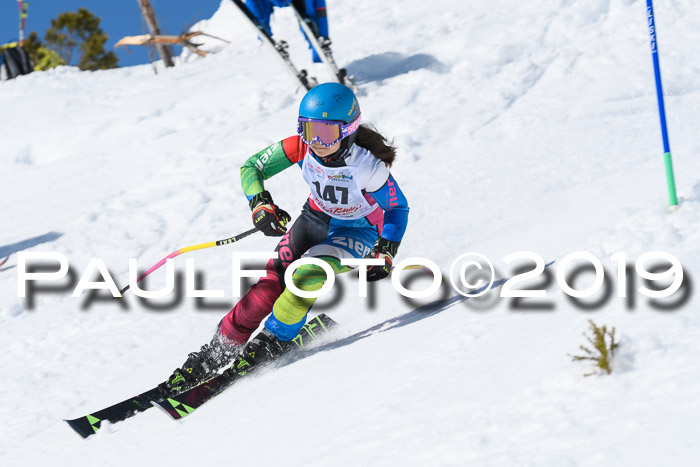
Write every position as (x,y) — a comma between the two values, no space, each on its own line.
(358,191)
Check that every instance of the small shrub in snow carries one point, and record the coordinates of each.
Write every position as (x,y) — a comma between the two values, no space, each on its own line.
(604,346)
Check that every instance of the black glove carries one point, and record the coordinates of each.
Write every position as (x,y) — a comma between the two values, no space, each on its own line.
(386,250)
(267,217)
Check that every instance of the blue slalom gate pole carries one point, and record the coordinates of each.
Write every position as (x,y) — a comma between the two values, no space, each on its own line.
(662,111)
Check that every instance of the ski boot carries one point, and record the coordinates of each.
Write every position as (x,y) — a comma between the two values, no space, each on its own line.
(261,350)
(265,347)
(200,366)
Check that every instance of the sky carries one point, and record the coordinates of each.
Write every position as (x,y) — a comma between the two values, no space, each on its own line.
(119,18)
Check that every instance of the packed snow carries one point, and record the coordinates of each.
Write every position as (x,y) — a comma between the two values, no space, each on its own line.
(521,126)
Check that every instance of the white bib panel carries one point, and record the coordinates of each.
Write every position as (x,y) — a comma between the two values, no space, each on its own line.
(337,191)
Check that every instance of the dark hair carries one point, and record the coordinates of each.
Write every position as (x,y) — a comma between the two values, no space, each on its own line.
(369,138)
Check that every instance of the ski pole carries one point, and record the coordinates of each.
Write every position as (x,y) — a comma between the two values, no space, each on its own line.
(225,241)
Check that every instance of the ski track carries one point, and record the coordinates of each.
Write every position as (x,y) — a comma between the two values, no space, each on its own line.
(520,126)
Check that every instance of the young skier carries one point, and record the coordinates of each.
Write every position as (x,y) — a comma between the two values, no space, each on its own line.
(356,209)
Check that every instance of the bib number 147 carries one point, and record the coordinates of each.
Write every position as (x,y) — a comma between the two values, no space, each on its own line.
(330,193)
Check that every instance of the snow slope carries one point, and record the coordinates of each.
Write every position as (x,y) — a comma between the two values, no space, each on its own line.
(521,126)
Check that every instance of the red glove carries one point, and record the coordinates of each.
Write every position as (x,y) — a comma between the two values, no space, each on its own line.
(267,216)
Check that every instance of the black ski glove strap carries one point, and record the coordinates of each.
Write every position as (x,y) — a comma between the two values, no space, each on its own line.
(263,197)
(386,250)
(267,216)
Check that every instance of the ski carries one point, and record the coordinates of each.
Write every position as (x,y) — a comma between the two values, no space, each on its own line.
(185,403)
(322,45)
(278,47)
(89,424)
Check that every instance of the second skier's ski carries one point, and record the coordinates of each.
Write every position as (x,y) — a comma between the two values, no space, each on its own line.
(279,48)
(322,45)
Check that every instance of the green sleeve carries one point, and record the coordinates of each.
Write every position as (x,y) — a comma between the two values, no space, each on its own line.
(261,166)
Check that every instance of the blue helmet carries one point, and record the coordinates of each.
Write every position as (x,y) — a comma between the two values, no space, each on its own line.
(330,101)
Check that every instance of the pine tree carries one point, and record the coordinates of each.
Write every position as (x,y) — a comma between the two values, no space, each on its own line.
(80,32)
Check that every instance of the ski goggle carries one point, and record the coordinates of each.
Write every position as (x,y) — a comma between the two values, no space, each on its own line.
(325,132)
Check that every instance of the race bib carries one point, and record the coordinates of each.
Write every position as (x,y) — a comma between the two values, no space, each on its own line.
(335,190)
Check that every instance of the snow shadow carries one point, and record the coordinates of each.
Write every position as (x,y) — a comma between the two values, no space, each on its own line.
(418,314)
(383,66)
(7,250)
